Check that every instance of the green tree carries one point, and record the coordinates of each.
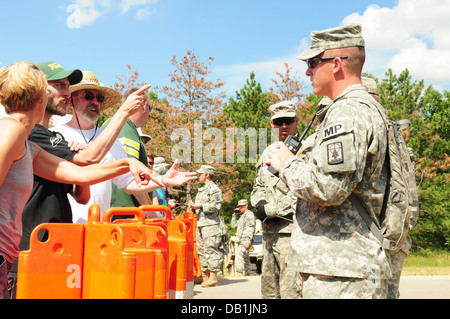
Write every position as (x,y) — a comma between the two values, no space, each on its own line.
(250,107)
(247,110)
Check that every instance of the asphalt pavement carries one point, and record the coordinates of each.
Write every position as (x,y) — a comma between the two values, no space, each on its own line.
(249,287)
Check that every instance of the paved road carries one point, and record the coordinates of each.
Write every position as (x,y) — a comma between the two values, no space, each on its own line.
(411,287)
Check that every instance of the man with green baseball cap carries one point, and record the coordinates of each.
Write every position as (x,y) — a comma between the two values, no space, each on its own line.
(49,202)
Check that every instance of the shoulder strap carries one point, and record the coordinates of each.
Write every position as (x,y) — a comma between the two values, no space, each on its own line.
(370,223)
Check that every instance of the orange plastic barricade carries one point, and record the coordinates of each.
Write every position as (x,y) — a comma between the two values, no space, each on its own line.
(52,269)
(109,270)
(177,249)
(150,245)
(190,219)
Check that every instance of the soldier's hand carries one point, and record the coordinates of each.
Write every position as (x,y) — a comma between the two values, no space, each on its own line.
(260,210)
(277,155)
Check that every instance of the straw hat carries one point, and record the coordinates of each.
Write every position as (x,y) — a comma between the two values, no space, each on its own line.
(90,82)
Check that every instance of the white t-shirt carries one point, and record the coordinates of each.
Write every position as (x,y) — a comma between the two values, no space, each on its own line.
(101,192)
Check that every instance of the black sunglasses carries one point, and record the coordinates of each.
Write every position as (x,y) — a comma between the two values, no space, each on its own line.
(312,62)
(89,96)
(285,120)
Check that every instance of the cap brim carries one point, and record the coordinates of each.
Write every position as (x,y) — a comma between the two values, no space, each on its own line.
(285,114)
(74,76)
(310,53)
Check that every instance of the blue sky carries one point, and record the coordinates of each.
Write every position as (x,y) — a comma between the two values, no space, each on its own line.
(242,36)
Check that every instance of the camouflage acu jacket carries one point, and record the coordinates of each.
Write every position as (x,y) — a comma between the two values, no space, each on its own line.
(210,196)
(346,155)
(280,200)
(245,226)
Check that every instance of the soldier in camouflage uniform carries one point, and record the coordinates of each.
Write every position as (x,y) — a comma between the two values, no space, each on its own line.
(244,236)
(343,162)
(396,259)
(209,235)
(275,207)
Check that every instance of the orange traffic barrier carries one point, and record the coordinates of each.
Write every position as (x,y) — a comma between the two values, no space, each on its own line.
(109,270)
(190,219)
(52,268)
(150,245)
(177,249)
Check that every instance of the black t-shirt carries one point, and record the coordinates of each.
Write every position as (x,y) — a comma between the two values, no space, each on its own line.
(48,202)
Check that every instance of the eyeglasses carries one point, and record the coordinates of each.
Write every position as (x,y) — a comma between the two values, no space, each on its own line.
(89,96)
(312,62)
(285,120)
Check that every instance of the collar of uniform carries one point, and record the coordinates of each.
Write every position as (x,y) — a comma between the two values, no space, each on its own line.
(205,186)
(341,96)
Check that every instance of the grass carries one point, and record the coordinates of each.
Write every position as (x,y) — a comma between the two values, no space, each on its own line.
(427,264)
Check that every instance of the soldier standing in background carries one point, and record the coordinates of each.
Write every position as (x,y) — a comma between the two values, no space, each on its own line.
(209,236)
(244,233)
(275,207)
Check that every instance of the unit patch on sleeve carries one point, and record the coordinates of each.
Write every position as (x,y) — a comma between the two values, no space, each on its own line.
(335,153)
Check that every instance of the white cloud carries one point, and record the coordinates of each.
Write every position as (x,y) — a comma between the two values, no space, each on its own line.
(143,14)
(413,34)
(126,5)
(86,12)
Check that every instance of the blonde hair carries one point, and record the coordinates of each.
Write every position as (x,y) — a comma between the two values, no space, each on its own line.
(22,85)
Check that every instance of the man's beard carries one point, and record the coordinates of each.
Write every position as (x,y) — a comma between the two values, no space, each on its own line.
(89,115)
(56,106)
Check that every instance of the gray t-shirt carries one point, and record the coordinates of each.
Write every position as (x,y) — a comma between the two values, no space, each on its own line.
(14,193)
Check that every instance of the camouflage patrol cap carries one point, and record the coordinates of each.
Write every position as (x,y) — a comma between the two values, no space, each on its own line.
(206,169)
(282,109)
(242,202)
(370,84)
(334,38)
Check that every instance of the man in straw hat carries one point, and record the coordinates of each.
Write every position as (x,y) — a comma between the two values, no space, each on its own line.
(275,208)
(208,202)
(88,99)
(245,229)
(340,168)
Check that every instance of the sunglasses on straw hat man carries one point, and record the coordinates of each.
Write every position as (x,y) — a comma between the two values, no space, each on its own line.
(108,97)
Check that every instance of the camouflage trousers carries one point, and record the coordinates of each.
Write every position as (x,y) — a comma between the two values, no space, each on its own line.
(209,239)
(278,282)
(242,260)
(393,284)
(328,287)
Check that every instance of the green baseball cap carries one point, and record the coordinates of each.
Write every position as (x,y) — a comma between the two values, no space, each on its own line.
(55,71)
